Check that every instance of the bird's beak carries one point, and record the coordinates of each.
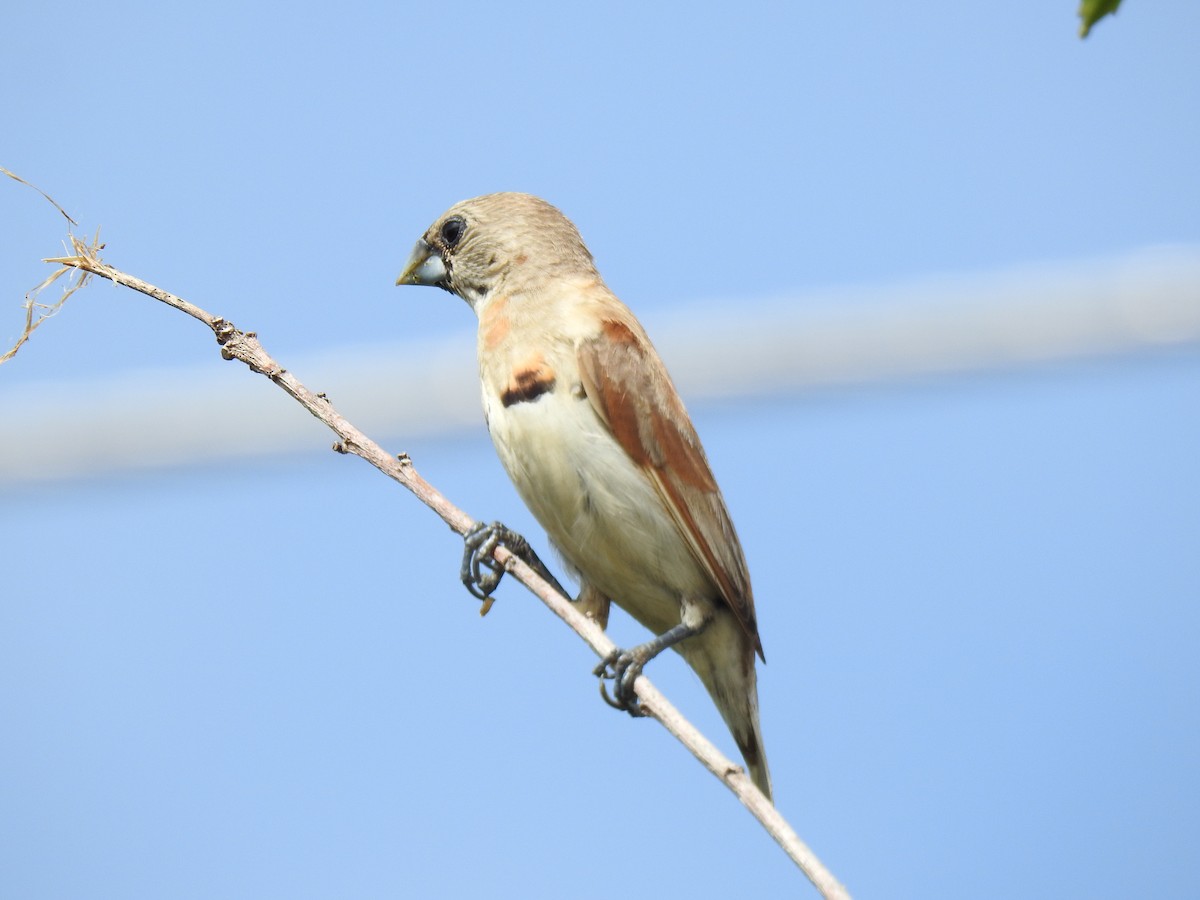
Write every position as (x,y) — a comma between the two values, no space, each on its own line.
(425,266)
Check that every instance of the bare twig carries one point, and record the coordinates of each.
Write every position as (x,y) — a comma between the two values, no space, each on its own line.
(15,177)
(78,279)
(44,311)
(244,346)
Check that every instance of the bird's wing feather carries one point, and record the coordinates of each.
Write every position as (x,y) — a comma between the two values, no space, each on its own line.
(630,390)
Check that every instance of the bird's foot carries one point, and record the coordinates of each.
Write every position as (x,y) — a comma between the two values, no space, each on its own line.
(481,573)
(622,667)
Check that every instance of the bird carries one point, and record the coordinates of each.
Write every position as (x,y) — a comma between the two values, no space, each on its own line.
(594,436)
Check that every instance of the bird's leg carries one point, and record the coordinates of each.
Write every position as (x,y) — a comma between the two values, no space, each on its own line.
(481,574)
(624,666)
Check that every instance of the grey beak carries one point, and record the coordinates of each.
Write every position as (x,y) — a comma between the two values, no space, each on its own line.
(425,266)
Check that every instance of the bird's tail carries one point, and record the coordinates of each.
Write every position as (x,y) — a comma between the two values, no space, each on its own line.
(724,659)
(753,752)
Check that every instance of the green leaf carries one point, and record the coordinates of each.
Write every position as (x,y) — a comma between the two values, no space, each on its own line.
(1092,11)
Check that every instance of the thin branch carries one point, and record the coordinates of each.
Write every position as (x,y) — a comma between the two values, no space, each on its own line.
(15,177)
(76,280)
(244,346)
(44,311)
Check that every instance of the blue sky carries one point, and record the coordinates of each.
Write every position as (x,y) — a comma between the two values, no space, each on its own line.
(977,594)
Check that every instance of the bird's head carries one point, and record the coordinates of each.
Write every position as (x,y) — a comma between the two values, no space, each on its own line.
(479,245)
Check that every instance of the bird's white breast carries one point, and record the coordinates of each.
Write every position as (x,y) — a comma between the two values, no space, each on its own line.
(599,508)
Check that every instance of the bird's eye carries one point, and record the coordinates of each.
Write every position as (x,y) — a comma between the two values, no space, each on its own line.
(452,231)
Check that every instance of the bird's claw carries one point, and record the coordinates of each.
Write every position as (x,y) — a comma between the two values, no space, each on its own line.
(622,668)
(480,573)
